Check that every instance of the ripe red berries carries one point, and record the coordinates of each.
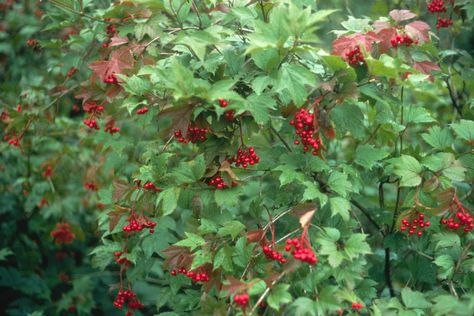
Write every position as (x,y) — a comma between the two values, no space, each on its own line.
(194,134)
(229,115)
(62,233)
(436,6)
(138,223)
(305,129)
(402,39)
(121,261)
(142,111)
(130,298)
(91,186)
(458,217)
(218,183)
(193,275)
(223,103)
(241,299)
(111,128)
(273,254)
(151,186)
(91,123)
(414,225)
(443,23)
(355,57)
(300,253)
(47,171)
(111,29)
(245,157)
(111,79)
(357,306)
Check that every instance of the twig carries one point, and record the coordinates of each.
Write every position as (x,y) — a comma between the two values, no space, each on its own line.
(281,138)
(453,98)
(367,214)
(267,290)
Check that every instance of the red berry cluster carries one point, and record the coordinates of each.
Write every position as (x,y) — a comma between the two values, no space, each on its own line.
(91,186)
(357,306)
(62,233)
(142,110)
(402,39)
(304,127)
(223,103)
(111,29)
(32,42)
(273,254)
(415,225)
(42,203)
(229,115)
(436,6)
(93,107)
(111,79)
(121,261)
(300,253)
(245,157)
(241,299)
(151,186)
(355,57)
(130,298)
(459,217)
(12,140)
(137,224)
(111,128)
(193,275)
(443,23)
(48,171)
(219,183)
(91,123)
(194,134)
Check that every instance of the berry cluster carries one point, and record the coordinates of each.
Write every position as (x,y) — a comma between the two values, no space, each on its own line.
(111,29)
(459,217)
(223,103)
(219,183)
(151,186)
(121,261)
(91,123)
(273,254)
(62,233)
(93,107)
(142,110)
(91,186)
(241,299)
(415,225)
(357,306)
(402,39)
(194,134)
(12,140)
(111,128)
(48,171)
(193,275)
(32,42)
(436,6)
(137,224)
(305,128)
(355,57)
(130,298)
(245,157)
(443,23)
(229,115)
(300,253)
(111,79)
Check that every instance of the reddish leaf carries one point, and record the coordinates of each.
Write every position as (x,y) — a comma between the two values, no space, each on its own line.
(344,44)
(401,15)
(119,60)
(116,215)
(233,285)
(426,67)
(180,117)
(120,189)
(177,257)
(418,30)
(255,235)
(381,25)
(117,40)
(385,35)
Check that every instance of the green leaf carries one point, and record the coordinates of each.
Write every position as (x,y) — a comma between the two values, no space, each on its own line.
(279,295)
(408,169)
(228,197)
(223,258)
(4,253)
(303,306)
(338,183)
(356,245)
(192,241)
(414,299)
(258,287)
(289,174)
(348,118)
(207,226)
(367,155)
(169,199)
(312,192)
(446,263)
(201,257)
(418,115)
(293,79)
(464,129)
(340,206)
(379,68)
(232,228)
(438,138)
(259,106)
(136,85)
(197,41)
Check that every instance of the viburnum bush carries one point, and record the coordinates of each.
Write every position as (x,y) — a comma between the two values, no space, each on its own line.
(194,157)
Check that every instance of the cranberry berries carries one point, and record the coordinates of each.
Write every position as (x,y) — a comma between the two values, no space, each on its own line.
(458,217)
(305,128)
(193,275)
(194,134)
(414,225)
(300,253)
(402,39)
(245,157)
(241,299)
(436,6)
(355,57)
(62,233)
(130,298)
(273,254)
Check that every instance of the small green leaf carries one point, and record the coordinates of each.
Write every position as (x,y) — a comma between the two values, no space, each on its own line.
(408,169)
(192,241)
(338,183)
(367,155)
(464,129)
(438,138)
(279,295)
(232,228)
(258,287)
(414,299)
(169,199)
(340,206)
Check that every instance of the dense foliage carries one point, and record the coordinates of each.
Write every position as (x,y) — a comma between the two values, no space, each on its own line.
(189,157)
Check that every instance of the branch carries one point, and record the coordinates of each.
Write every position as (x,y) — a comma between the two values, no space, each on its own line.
(453,98)
(281,138)
(267,290)
(367,214)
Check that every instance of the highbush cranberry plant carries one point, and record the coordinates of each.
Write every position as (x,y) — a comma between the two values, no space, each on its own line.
(269,157)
